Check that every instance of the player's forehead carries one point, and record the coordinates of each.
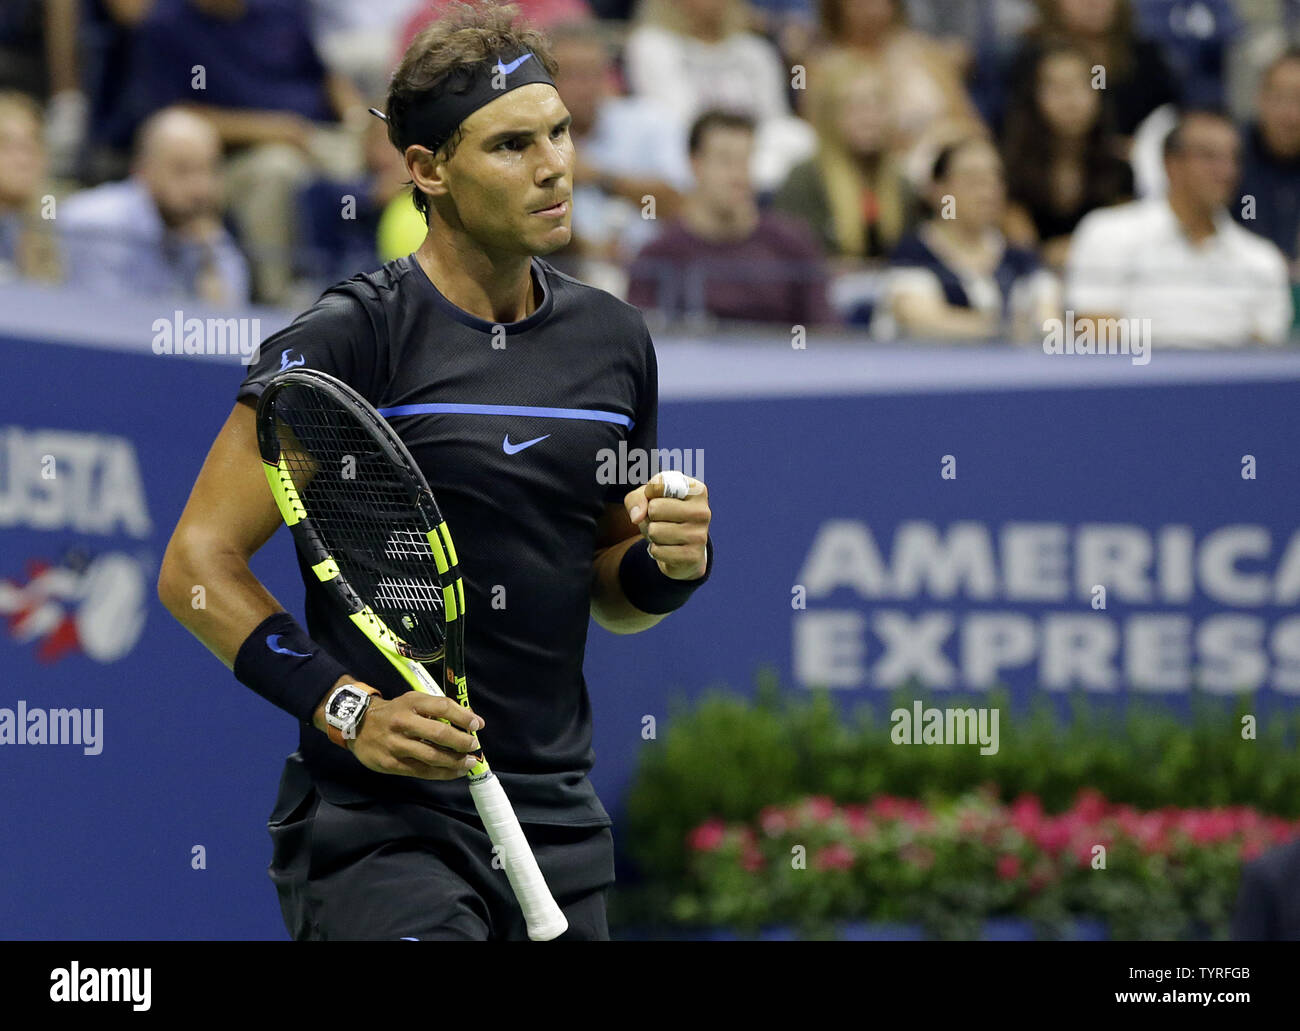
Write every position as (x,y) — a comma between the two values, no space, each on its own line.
(530,108)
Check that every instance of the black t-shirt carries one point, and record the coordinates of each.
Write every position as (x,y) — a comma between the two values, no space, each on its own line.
(575,377)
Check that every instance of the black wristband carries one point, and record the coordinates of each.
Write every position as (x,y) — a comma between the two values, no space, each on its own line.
(645,585)
(286,667)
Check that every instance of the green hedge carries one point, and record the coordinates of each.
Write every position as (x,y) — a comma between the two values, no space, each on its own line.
(727,757)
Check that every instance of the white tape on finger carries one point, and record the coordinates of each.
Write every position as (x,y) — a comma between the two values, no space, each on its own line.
(675,484)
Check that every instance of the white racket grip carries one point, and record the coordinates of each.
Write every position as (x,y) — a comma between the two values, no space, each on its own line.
(543,917)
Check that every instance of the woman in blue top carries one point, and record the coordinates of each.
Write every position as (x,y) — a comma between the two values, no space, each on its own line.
(957,277)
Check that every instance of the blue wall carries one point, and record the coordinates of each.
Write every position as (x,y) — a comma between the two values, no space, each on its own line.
(99,846)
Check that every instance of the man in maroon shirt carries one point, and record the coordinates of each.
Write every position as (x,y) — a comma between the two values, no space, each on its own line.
(724,256)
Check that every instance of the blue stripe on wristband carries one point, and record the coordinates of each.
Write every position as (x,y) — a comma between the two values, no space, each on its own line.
(645,585)
(286,667)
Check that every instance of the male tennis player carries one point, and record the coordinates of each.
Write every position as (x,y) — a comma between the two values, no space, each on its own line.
(507,381)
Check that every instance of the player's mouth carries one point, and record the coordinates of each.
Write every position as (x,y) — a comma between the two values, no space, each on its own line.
(554,211)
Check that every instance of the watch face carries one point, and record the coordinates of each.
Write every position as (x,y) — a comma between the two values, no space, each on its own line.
(346,705)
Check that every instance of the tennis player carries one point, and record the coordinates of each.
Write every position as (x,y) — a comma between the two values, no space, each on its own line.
(508,382)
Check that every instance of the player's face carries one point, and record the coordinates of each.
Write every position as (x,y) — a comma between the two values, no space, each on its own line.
(510,179)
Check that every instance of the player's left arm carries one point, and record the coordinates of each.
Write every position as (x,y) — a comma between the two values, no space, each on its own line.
(676,533)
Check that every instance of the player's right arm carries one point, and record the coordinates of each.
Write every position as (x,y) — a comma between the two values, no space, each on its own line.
(229,516)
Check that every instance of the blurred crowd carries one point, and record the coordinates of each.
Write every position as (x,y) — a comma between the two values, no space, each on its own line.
(919,169)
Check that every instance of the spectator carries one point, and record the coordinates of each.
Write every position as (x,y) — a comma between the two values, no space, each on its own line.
(359,40)
(1194,37)
(1180,260)
(343,219)
(724,257)
(957,277)
(1271,158)
(159,232)
(852,194)
(929,106)
(28,249)
(1060,158)
(1137,77)
(696,55)
(629,148)
(39,56)
(274,105)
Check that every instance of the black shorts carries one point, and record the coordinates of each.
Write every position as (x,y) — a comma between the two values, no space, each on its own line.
(382,870)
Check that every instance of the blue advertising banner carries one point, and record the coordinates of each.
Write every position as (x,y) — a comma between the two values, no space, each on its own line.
(963,519)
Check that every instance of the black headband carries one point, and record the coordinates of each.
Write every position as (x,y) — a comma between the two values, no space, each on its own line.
(434,117)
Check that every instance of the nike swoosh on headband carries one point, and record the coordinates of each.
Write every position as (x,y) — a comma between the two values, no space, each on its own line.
(506,69)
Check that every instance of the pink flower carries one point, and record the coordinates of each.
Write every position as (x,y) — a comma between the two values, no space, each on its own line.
(1008,866)
(774,820)
(1205,827)
(835,856)
(708,836)
(887,807)
(1053,835)
(917,815)
(1026,813)
(820,808)
(859,822)
(751,859)
(1090,804)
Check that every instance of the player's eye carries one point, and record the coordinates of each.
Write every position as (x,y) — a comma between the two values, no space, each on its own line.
(516,143)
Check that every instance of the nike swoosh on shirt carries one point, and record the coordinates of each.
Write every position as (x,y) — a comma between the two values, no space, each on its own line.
(514,449)
(506,69)
(273,642)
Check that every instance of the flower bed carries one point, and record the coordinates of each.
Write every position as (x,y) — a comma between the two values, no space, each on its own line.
(954,865)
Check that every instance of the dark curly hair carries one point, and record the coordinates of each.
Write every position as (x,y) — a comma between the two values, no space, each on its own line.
(465,35)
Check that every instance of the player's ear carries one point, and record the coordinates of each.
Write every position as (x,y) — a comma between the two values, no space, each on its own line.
(425,170)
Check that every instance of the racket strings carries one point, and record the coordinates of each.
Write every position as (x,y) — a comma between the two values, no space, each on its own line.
(362,513)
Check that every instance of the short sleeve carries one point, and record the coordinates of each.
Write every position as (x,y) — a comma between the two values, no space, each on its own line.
(1095,282)
(1273,313)
(336,335)
(644,434)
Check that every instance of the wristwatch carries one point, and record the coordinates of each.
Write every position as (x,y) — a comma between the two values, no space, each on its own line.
(344,711)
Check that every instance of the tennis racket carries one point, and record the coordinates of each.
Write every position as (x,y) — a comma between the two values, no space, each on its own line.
(360,510)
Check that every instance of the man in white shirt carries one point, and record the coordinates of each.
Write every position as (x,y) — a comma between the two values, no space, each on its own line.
(1180,260)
